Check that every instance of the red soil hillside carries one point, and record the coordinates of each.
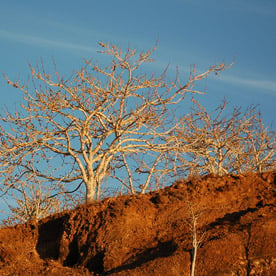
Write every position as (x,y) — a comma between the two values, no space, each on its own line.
(150,234)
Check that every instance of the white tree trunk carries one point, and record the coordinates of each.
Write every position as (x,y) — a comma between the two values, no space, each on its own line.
(194,253)
(90,190)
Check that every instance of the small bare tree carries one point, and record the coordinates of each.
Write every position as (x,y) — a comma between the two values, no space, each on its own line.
(260,147)
(31,202)
(32,199)
(86,128)
(197,238)
(219,143)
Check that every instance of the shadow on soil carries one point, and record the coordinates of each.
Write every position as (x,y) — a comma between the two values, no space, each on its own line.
(49,236)
(164,249)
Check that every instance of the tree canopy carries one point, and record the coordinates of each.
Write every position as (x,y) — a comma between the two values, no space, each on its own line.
(86,128)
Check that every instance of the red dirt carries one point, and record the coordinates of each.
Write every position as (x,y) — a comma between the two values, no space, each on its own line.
(150,235)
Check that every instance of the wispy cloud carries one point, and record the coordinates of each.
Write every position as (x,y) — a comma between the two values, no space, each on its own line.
(44,42)
(268,85)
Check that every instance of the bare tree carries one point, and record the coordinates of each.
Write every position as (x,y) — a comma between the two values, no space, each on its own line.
(87,128)
(197,237)
(221,143)
(32,199)
(31,202)
(260,148)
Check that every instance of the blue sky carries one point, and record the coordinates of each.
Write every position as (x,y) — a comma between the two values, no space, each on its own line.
(188,32)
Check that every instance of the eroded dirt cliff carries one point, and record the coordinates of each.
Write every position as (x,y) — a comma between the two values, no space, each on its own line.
(150,234)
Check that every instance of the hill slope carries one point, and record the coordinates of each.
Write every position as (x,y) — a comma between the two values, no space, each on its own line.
(150,234)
